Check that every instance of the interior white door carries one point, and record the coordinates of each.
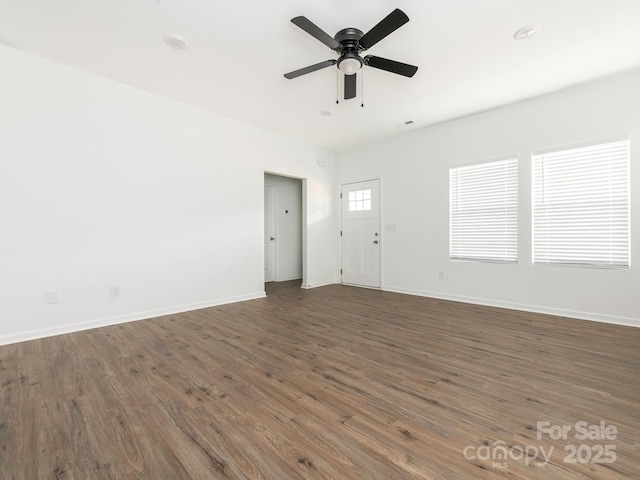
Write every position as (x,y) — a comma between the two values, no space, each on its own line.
(269,233)
(360,246)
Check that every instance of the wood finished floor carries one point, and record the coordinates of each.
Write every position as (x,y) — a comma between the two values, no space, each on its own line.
(334,383)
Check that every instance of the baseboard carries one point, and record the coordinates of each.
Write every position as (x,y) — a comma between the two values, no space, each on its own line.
(287,279)
(577,314)
(131,317)
(308,286)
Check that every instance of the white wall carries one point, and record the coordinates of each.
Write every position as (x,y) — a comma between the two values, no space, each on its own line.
(414,171)
(288,226)
(103,184)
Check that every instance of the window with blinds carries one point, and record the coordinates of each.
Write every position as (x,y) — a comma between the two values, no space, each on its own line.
(581,206)
(483,217)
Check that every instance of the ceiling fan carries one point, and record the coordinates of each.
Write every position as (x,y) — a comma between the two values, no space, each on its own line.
(348,43)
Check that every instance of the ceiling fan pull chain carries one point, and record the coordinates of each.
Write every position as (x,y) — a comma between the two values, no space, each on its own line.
(337,86)
(362,86)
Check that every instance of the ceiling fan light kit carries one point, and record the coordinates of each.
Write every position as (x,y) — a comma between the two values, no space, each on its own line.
(349,43)
(349,63)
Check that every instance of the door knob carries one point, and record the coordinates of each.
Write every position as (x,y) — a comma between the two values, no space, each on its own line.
(272,238)
(375,241)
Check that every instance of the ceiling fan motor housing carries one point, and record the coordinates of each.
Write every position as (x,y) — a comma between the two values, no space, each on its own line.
(348,39)
(349,50)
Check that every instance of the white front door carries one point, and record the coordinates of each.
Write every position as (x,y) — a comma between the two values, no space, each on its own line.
(361,233)
(269,233)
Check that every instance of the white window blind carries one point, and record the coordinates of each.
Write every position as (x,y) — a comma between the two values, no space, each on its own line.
(484,211)
(581,206)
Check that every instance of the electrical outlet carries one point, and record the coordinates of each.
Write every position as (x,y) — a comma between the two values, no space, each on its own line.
(441,274)
(114,290)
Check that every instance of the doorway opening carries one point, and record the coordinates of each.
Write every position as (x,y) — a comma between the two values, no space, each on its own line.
(284,232)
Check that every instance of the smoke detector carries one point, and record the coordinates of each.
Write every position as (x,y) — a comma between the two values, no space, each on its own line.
(526,32)
(175,41)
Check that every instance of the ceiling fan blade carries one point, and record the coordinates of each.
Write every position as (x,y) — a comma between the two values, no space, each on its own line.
(350,86)
(312,29)
(309,69)
(387,25)
(390,65)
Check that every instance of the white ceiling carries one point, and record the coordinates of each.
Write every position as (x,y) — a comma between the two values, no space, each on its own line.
(239,51)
